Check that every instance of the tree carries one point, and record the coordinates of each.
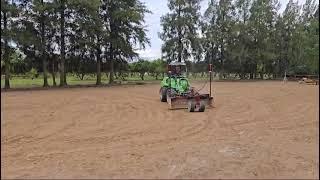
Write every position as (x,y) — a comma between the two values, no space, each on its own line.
(43,42)
(8,12)
(310,23)
(219,22)
(100,35)
(210,33)
(18,63)
(33,22)
(302,47)
(180,30)
(263,14)
(123,19)
(62,42)
(86,35)
(141,67)
(157,67)
(241,46)
(286,33)
(52,40)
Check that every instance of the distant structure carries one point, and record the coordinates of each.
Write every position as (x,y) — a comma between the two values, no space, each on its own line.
(285,77)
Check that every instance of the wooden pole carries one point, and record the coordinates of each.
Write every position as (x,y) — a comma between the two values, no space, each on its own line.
(210,73)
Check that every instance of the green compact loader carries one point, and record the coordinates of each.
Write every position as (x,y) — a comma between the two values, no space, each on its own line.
(177,92)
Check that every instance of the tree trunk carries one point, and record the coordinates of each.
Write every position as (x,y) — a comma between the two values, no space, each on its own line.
(142,76)
(82,75)
(251,75)
(222,66)
(98,66)
(112,48)
(62,50)
(111,79)
(44,60)
(6,52)
(179,39)
(115,74)
(53,74)
(98,82)
(261,75)
(65,75)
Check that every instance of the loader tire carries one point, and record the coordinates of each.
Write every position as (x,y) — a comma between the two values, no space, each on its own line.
(191,106)
(202,107)
(163,94)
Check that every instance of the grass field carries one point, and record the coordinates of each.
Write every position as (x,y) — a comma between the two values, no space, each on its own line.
(20,82)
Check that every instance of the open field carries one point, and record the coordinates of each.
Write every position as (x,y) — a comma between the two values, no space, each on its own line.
(263,129)
(27,82)
(19,82)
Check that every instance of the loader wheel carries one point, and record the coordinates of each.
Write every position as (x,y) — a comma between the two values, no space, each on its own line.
(171,93)
(163,94)
(202,107)
(191,106)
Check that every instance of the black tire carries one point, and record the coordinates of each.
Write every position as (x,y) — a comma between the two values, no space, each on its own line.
(191,106)
(202,107)
(170,93)
(163,94)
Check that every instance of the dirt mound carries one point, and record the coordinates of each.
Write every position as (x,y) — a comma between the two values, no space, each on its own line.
(256,130)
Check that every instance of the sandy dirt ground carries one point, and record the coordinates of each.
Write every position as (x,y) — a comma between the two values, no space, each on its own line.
(255,130)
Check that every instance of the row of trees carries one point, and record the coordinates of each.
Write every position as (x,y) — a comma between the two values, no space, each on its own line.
(70,34)
(244,36)
(237,36)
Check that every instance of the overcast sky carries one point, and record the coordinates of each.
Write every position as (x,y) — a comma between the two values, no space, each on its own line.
(159,8)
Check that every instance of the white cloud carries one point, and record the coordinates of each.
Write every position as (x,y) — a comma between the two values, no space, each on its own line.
(149,53)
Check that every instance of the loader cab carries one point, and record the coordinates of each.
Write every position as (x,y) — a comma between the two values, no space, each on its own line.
(177,69)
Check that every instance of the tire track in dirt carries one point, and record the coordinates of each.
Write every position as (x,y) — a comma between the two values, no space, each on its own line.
(193,130)
(106,140)
(26,140)
(118,139)
(243,114)
(119,132)
(22,137)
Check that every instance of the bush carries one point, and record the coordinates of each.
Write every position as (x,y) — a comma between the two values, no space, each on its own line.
(33,73)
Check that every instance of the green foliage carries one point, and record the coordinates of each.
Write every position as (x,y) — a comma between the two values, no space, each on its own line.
(101,36)
(141,67)
(33,73)
(218,26)
(180,31)
(123,20)
(17,63)
(250,36)
(85,32)
(157,67)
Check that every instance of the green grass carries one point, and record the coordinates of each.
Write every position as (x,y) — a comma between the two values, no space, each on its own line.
(27,82)
(38,82)
(20,82)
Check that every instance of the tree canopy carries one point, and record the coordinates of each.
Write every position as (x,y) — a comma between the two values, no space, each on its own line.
(243,37)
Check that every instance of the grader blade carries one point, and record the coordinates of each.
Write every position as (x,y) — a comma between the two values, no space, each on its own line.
(182,102)
(178,103)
